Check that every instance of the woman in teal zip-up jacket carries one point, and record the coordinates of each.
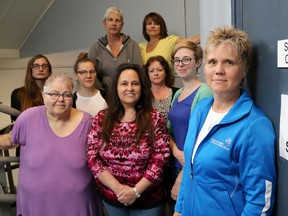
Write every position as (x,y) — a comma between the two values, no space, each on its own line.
(229,149)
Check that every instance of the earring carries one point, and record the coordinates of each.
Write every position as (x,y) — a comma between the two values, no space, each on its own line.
(244,81)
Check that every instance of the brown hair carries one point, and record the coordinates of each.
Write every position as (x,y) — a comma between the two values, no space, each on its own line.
(83,57)
(158,19)
(116,110)
(169,79)
(31,94)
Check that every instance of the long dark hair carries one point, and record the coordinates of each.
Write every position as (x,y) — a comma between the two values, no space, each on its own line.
(116,110)
(31,94)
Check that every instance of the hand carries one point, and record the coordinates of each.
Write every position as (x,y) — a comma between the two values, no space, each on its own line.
(175,190)
(176,214)
(126,195)
(180,156)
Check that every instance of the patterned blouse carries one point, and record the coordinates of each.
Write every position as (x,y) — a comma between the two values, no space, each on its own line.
(163,105)
(128,161)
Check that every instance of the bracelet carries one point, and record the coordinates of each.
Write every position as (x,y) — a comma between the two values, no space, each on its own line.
(136,192)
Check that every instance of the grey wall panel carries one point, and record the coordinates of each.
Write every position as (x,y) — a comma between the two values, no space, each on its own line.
(266,22)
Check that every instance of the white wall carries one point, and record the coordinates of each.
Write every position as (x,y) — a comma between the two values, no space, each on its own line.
(212,14)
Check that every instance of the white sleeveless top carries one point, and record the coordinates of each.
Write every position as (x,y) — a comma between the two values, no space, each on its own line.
(92,104)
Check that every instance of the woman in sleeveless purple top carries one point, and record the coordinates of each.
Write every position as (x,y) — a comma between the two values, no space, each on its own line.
(54,178)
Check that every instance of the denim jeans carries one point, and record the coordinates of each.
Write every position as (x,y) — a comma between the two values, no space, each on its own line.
(117,211)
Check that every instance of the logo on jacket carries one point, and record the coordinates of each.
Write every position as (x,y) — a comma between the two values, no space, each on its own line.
(225,145)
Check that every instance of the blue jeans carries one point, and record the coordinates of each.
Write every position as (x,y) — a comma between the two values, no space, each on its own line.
(116,211)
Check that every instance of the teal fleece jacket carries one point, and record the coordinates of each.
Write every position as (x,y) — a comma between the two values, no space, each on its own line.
(233,171)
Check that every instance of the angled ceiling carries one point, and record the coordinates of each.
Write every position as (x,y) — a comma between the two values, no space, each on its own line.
(18,18)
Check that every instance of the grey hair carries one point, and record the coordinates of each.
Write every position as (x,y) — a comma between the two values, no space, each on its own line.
(112,11)
(58,77)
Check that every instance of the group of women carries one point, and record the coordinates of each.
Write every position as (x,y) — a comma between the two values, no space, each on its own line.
(221,144)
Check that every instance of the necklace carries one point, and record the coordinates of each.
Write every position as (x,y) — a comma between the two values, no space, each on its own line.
(214,118)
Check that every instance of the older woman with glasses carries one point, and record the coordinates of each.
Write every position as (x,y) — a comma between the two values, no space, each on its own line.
(54,178)
(88,97)
(38,70)
(114,48)
(187,58)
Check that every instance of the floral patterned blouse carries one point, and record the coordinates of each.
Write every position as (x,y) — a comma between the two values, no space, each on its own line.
(128,161)
(163,105)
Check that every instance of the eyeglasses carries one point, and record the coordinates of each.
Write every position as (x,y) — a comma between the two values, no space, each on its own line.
(55,96)
(85,72)
(44,66)
(185,61)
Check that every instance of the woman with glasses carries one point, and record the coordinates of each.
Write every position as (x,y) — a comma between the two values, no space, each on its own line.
(38,70)
(88,97)
(54,178)
(158,42)
(30,95)
(114,48)
(187,58)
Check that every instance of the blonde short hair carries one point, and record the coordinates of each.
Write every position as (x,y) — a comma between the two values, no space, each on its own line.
(112,11)
(236,38)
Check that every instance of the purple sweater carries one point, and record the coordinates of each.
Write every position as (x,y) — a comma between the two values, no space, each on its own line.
(54,178)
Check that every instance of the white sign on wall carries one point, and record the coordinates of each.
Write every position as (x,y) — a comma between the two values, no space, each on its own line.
(282,53)
(283,137)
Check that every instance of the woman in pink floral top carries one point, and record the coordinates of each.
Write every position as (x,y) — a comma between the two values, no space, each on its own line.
(128,147)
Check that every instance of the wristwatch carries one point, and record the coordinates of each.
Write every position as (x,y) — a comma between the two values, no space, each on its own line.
(136,193)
